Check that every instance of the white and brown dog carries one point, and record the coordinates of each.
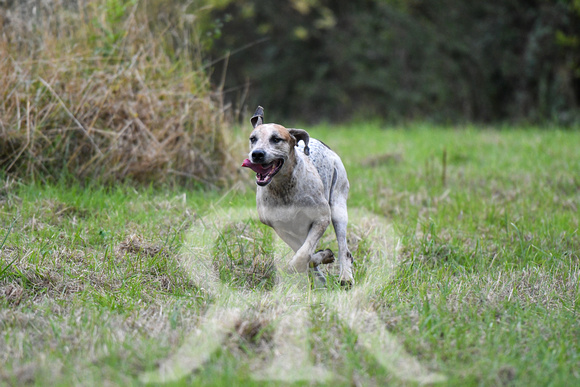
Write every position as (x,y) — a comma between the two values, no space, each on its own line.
(301,189)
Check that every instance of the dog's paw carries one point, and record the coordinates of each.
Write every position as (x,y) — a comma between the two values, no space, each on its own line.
(346,278)
(322,257)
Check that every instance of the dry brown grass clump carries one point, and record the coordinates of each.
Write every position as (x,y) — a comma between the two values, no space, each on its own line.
(99,90)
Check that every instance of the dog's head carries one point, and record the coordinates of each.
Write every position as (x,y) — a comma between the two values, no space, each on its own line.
(271,147)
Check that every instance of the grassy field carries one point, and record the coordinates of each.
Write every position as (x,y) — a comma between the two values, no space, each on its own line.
(96,285)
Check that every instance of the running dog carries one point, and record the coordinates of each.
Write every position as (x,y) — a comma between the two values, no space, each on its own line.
(301,189)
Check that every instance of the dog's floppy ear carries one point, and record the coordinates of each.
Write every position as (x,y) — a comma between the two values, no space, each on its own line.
(258,117)
(300,134)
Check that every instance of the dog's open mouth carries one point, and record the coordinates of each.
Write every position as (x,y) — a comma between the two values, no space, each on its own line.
(264,172)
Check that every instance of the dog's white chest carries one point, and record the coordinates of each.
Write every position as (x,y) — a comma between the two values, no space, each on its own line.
(292,223)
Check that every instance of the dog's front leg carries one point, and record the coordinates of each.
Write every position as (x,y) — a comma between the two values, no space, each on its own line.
(302,257)
(340,221)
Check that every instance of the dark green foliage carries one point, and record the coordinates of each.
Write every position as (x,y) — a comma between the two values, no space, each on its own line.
(438,59)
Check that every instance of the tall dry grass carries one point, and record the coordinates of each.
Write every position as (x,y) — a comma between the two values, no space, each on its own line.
(101,90)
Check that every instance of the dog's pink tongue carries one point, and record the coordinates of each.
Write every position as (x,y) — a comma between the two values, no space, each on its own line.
(255,167)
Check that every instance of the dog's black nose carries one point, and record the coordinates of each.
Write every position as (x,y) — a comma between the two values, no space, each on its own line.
(258,155)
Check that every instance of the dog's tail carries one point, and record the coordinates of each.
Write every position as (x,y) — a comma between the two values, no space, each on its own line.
(258,117)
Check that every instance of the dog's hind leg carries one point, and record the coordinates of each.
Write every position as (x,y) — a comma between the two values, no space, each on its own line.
(319,258)
(319,279)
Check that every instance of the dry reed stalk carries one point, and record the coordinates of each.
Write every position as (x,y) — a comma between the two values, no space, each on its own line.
(96,93)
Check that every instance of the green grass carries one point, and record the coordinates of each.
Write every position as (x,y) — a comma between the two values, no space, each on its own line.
(484,290)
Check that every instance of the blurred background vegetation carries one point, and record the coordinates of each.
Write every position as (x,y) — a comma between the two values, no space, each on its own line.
(442,60)
(143,89)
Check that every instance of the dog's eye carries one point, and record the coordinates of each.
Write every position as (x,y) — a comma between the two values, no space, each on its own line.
(275,140)
(253,139)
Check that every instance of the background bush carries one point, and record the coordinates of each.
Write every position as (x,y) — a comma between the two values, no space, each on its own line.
(434,59)
(108,90)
